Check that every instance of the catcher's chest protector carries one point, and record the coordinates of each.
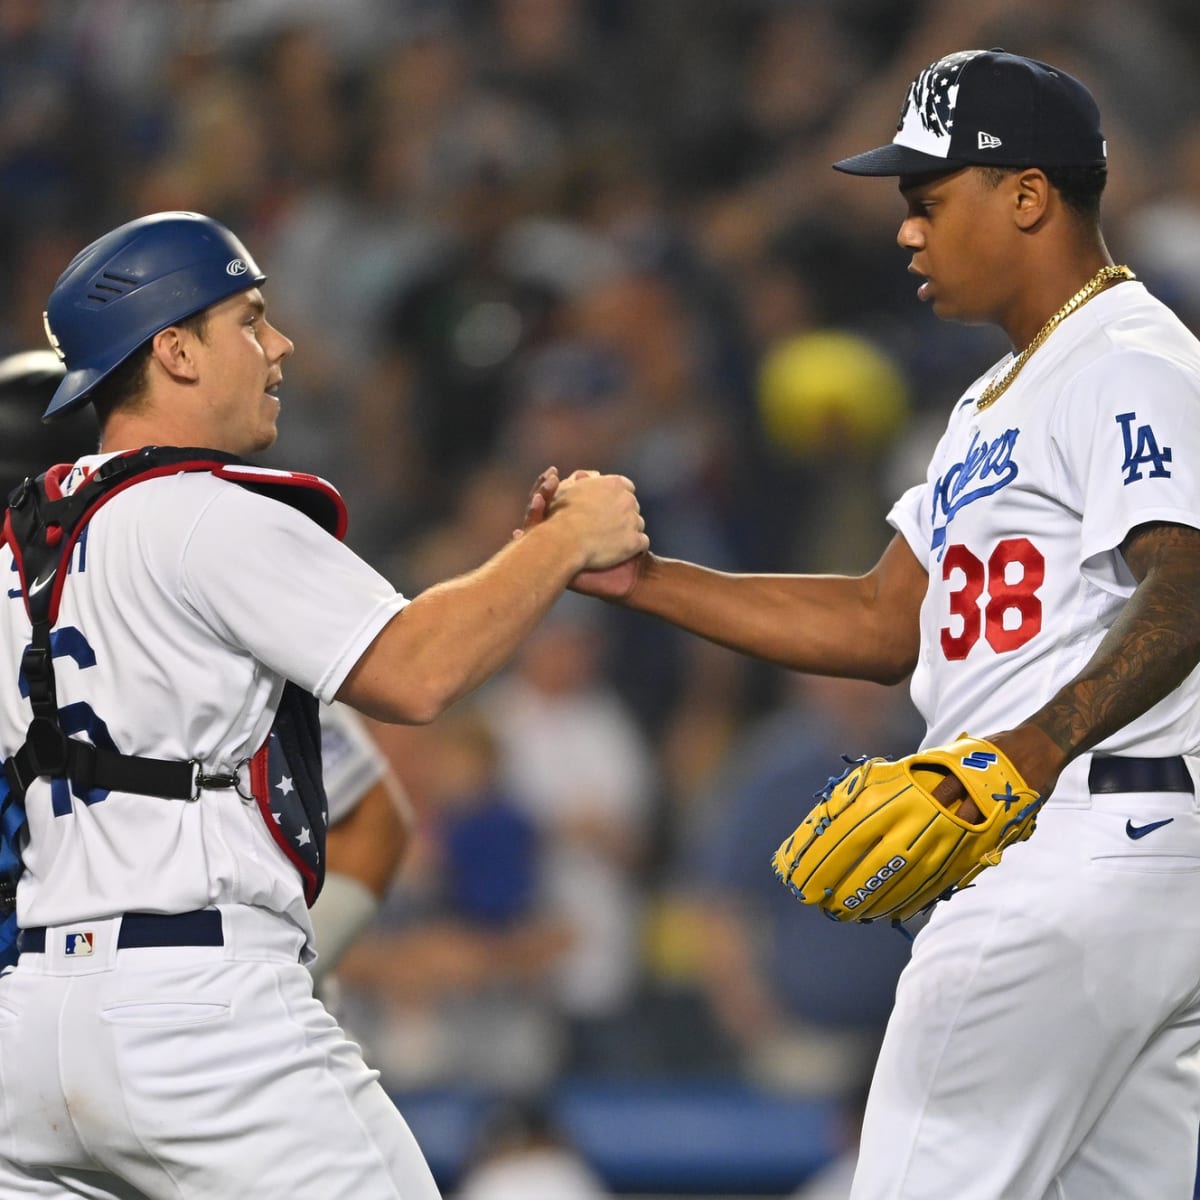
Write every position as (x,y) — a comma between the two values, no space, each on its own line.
(42,526)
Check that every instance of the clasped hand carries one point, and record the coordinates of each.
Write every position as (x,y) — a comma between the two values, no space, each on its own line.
(613,530)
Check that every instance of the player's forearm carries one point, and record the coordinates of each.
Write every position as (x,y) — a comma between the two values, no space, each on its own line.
(818,624)
(1149,651)
(369,843)
(456,634)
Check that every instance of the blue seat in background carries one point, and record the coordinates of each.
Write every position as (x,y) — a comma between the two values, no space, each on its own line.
(651,1137)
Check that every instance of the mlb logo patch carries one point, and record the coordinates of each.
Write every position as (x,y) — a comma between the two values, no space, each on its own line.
(80,945)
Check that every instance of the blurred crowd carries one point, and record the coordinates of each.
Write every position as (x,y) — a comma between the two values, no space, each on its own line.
(590,233)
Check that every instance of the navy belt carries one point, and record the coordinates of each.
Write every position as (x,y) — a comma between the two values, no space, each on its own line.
(1111,775)
(140,930)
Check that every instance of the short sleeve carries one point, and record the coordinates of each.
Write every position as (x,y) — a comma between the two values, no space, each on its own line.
(270,581)
(911,517)
(1128,437)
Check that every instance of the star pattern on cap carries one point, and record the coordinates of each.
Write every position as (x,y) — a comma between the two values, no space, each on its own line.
(934,93)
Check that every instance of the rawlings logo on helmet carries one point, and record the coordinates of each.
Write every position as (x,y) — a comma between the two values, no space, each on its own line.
(236,267)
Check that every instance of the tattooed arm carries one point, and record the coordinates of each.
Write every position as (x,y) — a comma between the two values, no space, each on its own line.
(1151,648)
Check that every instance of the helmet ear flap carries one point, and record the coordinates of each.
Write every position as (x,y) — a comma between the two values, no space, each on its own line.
(133,282)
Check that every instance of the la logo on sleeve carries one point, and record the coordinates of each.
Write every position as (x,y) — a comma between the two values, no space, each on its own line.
(1142,453)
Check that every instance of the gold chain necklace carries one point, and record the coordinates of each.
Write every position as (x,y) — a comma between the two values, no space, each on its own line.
(1103,278)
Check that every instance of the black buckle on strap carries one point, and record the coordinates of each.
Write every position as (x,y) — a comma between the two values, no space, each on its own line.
(47,747)
(219,780)
(37,667)
(215,781)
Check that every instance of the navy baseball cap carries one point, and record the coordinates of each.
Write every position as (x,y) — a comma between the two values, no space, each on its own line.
(989,108)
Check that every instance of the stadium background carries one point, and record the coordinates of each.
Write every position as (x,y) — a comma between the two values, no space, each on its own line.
(604,233)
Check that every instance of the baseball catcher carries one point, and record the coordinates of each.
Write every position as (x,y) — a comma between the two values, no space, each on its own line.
(881,843)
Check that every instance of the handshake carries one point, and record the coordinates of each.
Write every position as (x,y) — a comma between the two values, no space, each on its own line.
(602,513)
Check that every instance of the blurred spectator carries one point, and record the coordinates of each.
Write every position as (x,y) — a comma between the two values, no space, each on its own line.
(451,337)
(831,404)
(804,998)
(485,510)
(523,1155)
(551,55)
(449,984)
(680,438)
(827,392)
(49,136)
(478,822)
(307,94)
(573,757)
(575,404)
(1163,235)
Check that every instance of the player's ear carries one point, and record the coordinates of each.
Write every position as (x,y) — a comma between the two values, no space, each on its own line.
(1031,196)
(173,349)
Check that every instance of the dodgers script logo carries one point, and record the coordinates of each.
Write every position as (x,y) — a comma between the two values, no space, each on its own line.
(985,469)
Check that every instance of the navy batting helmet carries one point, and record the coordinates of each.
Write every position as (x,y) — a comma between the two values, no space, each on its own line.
(130,284)
(27,444)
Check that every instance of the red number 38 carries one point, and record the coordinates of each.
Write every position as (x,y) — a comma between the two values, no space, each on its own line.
(1010,580)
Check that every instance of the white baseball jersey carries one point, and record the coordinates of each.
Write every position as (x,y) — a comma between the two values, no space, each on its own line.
(132,1065)
(189,601)
(1045,1032)
(1025,506)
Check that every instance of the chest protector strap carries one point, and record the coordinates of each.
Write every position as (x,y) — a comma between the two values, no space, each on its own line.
(42,526)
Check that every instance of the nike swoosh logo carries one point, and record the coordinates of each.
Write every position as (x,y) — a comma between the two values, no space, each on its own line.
(1140,831)
(34,588)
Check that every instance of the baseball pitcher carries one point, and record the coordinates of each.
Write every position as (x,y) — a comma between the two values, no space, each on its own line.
(1041,592)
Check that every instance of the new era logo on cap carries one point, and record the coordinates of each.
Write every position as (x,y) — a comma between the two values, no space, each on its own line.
(988,107)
